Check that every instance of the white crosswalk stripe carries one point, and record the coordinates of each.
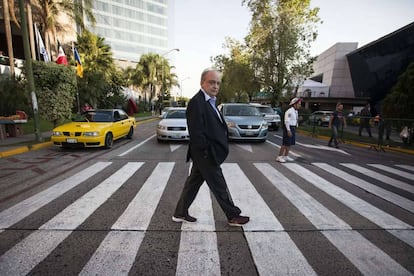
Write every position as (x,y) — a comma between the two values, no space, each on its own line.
(68,219)
(383,178)
(401,173)
(357,181)
(362,253)
(270,245)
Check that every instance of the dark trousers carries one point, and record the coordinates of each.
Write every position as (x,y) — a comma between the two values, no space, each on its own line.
(334,136)
(365,124)
(206,170)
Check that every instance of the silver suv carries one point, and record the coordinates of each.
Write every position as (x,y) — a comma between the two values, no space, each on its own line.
(270,115)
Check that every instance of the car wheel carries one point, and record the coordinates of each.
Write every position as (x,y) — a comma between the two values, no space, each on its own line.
(109,140)
(130,133)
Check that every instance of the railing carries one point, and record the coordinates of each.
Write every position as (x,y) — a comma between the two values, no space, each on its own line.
(389,132)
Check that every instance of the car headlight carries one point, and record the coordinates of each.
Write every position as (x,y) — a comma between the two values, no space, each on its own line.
(57,133)
(265,125)
(91,133)
(231,124)
(162,127)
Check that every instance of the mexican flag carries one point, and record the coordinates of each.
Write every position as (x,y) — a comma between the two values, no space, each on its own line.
(61,59)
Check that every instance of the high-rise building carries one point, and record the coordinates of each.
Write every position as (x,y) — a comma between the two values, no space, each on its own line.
(132,27)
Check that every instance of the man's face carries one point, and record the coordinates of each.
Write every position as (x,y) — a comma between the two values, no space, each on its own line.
(211,83)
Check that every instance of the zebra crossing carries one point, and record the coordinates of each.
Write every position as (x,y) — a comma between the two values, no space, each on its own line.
(272,245)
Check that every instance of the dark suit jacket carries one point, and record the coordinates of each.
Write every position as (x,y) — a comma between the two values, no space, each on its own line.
(208,135)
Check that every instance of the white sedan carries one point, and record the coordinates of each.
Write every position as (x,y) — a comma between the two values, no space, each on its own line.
(173,125)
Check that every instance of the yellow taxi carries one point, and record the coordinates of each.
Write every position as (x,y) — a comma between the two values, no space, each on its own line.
(95,128)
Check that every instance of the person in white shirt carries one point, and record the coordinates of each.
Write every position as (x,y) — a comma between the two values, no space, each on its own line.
(290,123)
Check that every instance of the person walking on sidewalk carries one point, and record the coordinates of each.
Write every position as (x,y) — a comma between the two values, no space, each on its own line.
(290,123)
(208,148)
(364,120)
(335,123)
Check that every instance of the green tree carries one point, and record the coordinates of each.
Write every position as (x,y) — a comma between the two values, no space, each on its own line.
(400,102)
(13,97)
(239,83)
(55,89)
(48,12)
(154,77)
(279,39)
(101,85)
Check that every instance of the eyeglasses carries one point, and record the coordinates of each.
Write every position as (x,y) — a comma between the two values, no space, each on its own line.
(213,82)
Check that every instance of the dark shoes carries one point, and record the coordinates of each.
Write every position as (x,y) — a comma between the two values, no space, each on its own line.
(187,218)
(238,221)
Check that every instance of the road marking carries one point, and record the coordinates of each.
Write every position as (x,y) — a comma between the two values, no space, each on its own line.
(377,216)
(322,148)
(199,239)
(133,222)
(21,210)
(174,147)
(115,255)
(407,175)
(246,147)
(407,167)
(383,178)
(362,253)
(21,258)
(81,209)
(262,245)
(136,146)
(290,152)
(378,191)
(140,210)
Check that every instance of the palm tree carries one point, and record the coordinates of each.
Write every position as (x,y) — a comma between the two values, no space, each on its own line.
(47,13)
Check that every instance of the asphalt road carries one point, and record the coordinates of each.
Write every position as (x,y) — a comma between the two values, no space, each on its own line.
(346,211)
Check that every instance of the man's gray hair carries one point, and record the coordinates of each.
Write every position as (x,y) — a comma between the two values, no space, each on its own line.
(205,71)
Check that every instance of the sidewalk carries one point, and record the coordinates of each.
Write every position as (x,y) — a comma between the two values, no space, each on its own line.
(27,142)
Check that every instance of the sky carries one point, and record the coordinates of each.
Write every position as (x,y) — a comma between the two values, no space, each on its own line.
(199,29)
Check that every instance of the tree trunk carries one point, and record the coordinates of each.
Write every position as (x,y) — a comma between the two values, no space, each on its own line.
(30,26)
(9,36)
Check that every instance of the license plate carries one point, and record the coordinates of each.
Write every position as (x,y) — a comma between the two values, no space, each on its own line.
(248,133)
(176,135)
(71,140)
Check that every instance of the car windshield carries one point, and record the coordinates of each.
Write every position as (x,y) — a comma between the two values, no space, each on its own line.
(94,116)
(175,114)
(266,110)
(241,110)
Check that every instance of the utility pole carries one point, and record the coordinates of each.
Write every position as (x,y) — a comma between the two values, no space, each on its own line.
(29,71)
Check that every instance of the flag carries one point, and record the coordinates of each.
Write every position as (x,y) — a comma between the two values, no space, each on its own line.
(61,59)
(79,69)
(40,45)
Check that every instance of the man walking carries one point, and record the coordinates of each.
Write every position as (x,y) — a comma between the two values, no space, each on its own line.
(208,148)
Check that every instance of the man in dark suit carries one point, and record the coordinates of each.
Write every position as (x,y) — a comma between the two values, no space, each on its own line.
(208,148)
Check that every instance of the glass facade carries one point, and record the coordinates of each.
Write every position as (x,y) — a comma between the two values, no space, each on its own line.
(132,27)
(375,68)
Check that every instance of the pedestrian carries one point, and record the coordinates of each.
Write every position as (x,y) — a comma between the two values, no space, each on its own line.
(290,122)
(208,148)
(335,123)
(365,116)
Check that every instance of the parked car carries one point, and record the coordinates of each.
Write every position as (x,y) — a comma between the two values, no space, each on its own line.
(244,122)
(95,128)
(270,115)
(320,118)
(173,126)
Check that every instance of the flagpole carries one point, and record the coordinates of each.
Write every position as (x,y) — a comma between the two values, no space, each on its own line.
(76,79)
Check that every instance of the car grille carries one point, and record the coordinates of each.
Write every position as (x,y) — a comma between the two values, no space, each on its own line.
(67,133)
(249,126)
(176,128)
